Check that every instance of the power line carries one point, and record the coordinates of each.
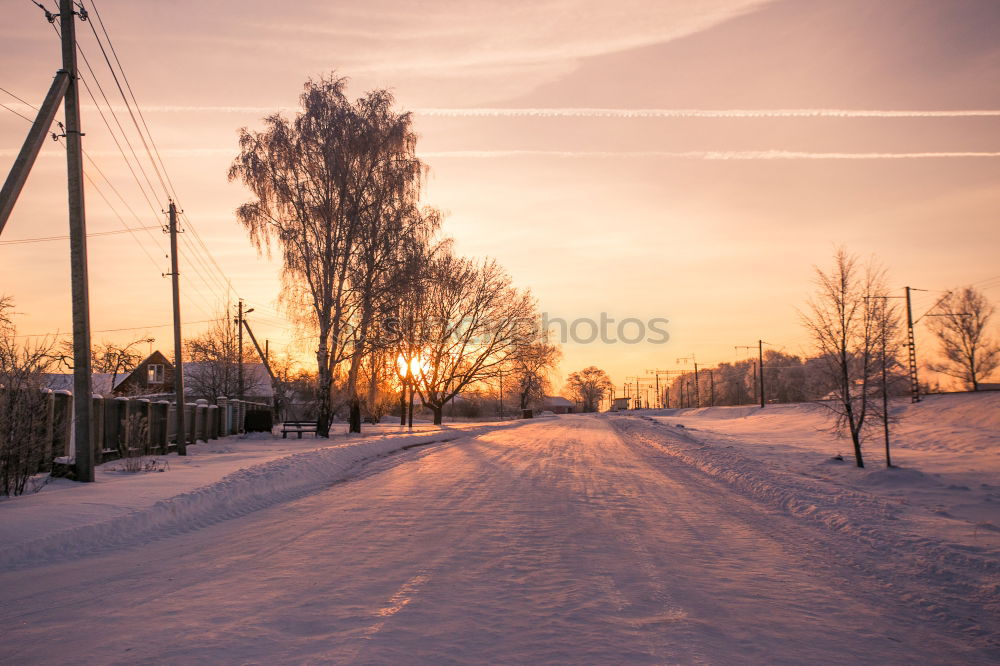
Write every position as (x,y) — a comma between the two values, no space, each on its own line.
(111,330)
(44,239)
(129,86)
(22,101)
(128,106)
(16,113)
(158,165)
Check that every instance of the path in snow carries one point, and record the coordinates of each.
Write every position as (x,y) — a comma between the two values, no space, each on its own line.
(553,542)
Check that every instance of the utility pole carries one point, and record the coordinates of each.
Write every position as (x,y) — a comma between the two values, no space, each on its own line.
(501,393)
(65,88)
(911,346)
(175,278)
(263,357)
(697,386)
(711,387)
(82,389)
(32,145)
(753,365)
(760,358)
(239,351)
(885,399)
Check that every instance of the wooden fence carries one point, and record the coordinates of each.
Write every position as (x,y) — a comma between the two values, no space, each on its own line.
(136,426)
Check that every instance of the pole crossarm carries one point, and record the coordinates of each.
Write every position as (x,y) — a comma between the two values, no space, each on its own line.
(32,145)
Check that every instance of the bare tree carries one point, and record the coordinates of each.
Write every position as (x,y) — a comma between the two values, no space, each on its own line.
(531,364)
(589,386)
(848,320)
(333,186)
(212,369)
(22,404)
(108,357)
(471,322)
(960,324)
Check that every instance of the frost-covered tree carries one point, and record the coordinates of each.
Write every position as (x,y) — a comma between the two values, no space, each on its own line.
(848,320)
(336,188)
(960,323)
(588,387)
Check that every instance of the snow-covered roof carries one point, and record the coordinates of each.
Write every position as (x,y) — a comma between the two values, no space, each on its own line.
(255,374)
(557,401)
(100,381)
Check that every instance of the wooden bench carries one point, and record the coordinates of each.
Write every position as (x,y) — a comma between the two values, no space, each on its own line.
(297,427)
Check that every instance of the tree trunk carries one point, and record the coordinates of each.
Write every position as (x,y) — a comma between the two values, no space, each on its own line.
(323,397)
(355,424)
(857,451)
(438,414)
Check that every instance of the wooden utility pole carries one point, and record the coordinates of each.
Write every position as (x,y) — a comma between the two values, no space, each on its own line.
(82,389)
(175,277)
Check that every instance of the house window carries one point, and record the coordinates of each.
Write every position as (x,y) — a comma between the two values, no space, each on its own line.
(154,373)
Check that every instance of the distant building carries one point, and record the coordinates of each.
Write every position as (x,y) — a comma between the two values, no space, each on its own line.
(155,374)
(620,404)
(558,405)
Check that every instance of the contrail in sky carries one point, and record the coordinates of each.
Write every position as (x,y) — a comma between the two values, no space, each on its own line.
(722,155)
(704,113)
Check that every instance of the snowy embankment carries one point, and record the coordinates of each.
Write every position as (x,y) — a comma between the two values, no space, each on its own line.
(217,481)
(939,510)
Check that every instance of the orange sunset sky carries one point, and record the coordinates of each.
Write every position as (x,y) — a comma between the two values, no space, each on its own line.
(690,160)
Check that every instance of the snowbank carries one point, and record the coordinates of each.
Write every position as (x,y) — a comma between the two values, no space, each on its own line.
(941,503)
(72,520)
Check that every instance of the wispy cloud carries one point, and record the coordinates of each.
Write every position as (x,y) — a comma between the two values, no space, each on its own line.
(715,155)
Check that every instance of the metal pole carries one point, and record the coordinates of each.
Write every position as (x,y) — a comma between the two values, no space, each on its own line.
(175,278)
(911,343)
(885,397)
(82,389)
(760,351)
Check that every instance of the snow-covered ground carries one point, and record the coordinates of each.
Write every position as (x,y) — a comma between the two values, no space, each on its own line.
(945,451)
(216,480)
(578,539)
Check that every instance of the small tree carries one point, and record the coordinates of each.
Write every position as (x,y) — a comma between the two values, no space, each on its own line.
(530,367)
(473,320)
(108,357)
(212,369)
(589,386)
(960,324)
(848,319)
(22,404)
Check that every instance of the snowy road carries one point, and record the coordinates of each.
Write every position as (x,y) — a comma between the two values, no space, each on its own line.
(560,541)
